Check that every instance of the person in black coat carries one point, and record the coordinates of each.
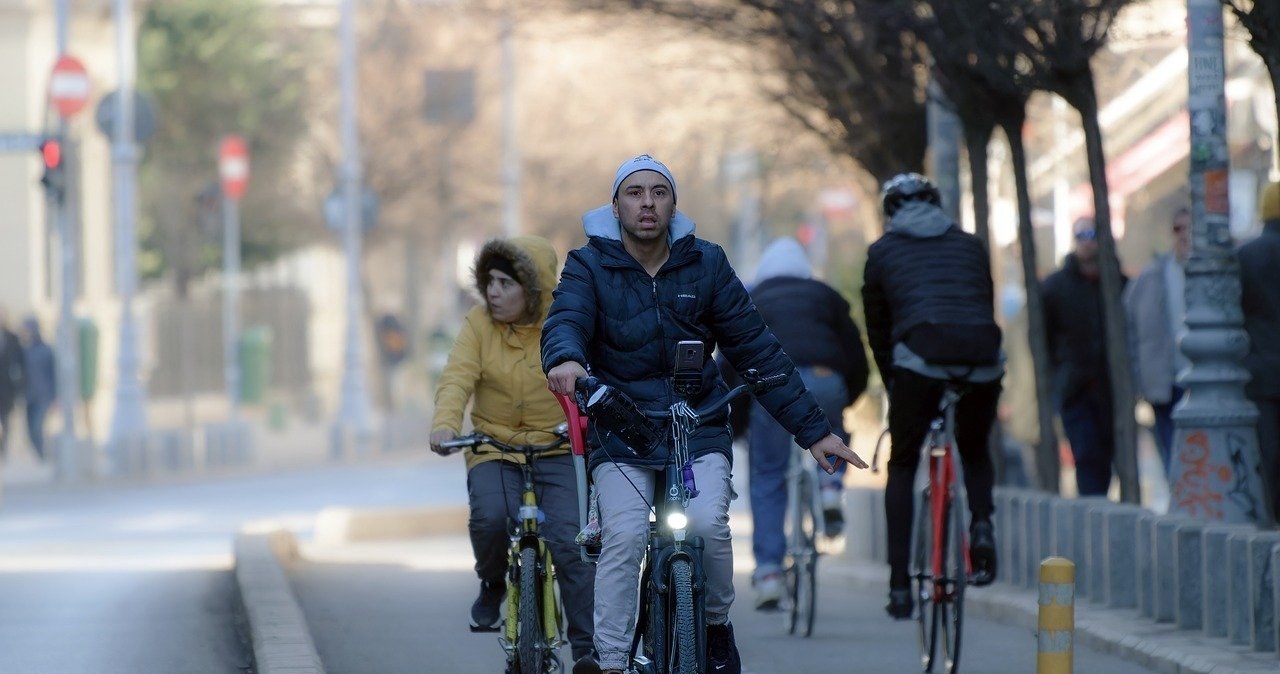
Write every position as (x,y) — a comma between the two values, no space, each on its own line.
(1260,302)
(1076,333)
(812,322)
(643,283)
(930,308)
(41,387)
(11,378)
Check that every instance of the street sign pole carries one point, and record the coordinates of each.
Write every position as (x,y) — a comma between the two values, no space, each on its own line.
(129,419)
(67,458)
(233,168)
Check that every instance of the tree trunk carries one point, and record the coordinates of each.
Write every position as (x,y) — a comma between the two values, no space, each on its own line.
(977,136)
(1082,96)
(1047,464)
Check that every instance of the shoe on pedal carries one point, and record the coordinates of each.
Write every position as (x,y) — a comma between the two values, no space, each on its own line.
(486,610)
(768,592)
(722,650)
(587,665)
(982,551)
(900,604)
(832,511)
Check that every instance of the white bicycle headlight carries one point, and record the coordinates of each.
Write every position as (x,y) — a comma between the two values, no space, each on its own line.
(677,520)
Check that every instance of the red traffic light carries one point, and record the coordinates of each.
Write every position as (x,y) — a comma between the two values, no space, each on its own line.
(51,151)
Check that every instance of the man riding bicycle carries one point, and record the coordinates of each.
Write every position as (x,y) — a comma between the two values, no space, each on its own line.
(495,362)
(641,284)
(928,298)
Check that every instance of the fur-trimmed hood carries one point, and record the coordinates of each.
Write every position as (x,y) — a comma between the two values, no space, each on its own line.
(533,258)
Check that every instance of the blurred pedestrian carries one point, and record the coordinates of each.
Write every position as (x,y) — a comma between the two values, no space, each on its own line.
(1156,308)
(812,322)
(494,364)
(41,382)
(1078,355)
(10,377)
(1260,301)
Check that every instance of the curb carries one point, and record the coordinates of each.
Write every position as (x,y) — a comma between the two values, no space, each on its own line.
(278,631)
(1161,647)
(345,525)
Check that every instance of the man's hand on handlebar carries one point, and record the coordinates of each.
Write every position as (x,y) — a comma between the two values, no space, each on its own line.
(442,435)
(833,446)
(563,377)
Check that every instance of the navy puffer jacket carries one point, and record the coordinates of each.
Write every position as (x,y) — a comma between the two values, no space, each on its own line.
(610,315)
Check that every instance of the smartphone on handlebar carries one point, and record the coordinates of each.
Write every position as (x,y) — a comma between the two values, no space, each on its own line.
(687,379)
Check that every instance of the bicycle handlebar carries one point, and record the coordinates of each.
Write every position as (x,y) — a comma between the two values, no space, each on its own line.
(753,381)
(478,439)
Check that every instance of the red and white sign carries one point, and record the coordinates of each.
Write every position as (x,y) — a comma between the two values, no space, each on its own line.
(233,166)
(68,86)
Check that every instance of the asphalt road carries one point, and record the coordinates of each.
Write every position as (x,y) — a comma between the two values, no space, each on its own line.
(400,607)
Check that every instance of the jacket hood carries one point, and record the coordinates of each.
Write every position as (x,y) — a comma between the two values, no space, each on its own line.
(783,257)
(919,219)
(601,222)
(533,258)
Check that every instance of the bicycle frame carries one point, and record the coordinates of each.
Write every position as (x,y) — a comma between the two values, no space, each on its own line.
(803,498)
(943,478)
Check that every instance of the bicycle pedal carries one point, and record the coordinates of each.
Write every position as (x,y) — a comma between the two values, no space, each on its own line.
(482,628)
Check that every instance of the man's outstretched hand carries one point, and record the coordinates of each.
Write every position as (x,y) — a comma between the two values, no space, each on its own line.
(564,377)
(833,446)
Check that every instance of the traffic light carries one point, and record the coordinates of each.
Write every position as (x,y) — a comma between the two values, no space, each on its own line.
(54,179)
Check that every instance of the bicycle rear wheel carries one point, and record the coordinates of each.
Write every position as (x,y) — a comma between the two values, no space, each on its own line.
(683,642)
(802,578)
(922,573)
(952,608)
(529,641)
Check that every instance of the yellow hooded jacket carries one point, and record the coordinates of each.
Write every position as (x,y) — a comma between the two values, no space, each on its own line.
(500,363)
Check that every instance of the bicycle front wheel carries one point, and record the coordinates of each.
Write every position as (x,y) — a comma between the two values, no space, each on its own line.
(683,642)
(952,608)
(926,609)
(529,651)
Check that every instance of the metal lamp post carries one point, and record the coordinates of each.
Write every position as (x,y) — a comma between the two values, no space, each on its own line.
(129,421)
(68,467)
(1216,469)
(354,411)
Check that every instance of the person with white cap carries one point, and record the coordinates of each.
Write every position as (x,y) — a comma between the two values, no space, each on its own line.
(642,283)
(1260,302)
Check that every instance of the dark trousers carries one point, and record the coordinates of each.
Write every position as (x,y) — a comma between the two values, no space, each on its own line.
(1269,448)
(6,412)
(1162,430)
(1089,424)
(36,412)
(913,404)
(495,489)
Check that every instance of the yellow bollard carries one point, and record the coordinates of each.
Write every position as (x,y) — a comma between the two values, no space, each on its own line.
(1057,616)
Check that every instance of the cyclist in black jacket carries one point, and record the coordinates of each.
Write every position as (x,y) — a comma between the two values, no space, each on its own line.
(812,322)
(928,299)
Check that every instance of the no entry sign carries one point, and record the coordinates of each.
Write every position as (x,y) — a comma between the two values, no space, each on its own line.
(233,166)
(68,86)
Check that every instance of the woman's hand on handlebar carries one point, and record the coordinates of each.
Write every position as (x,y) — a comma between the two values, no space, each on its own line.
(563,377)
(442,435)
(833,446)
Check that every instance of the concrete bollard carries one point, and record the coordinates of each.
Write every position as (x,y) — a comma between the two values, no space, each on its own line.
(1165,589)
(1262,615)
(1143,541)
(1017,540)
(1033,529)
(1080,545)
(1120,556)
(1054,648)
(1003,522)
(1097,568)
(1063,529)
(1239,603)
(1187,552)
(1214,576)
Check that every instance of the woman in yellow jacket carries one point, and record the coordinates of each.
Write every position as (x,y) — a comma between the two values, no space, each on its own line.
(496,360)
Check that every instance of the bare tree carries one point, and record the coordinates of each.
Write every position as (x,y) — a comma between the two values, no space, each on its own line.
(841,68)
(1262,19)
